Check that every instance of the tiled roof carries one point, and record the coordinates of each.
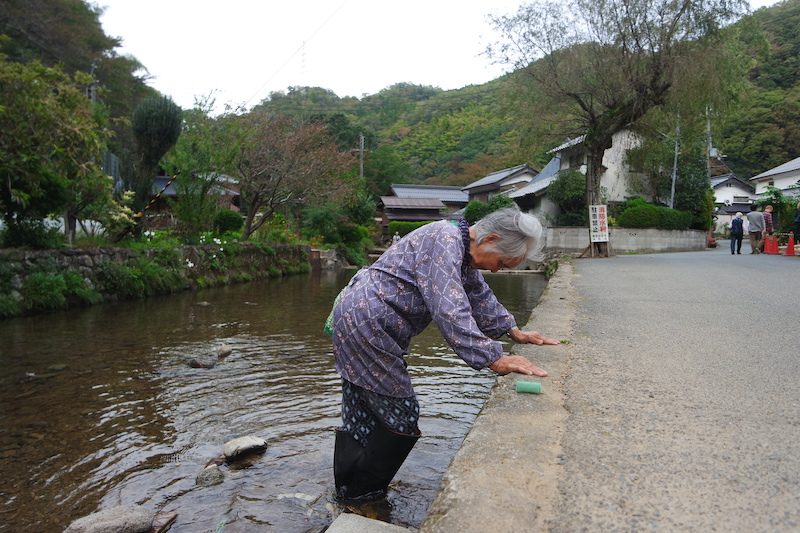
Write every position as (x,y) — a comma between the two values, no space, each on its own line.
(542,180)
(717,181)
(498,176)
(570,143)
(440,192)
(394,202)
(790,166)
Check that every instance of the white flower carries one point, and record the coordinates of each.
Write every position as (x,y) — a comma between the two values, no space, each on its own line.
(189,264)
(217,241)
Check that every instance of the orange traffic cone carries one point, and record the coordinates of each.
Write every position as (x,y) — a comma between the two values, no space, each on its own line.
(773,247)
(790,245)
(767,248)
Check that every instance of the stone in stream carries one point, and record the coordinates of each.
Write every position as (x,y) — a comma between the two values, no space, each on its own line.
(241,446)
(120,519)
(210,475)
(200,362)
(224,351)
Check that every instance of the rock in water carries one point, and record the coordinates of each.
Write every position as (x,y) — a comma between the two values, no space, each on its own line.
(121,519)
(201,363)
(243,445)
(209,476)
(224,351)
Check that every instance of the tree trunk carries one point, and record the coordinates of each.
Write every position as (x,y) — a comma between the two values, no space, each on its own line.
(594,166)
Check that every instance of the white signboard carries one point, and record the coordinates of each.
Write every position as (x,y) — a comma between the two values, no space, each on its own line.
(598,223)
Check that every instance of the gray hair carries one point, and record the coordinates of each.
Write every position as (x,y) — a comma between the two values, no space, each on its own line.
(520,235)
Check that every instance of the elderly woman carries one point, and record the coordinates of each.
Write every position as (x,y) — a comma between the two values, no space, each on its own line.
(431,274)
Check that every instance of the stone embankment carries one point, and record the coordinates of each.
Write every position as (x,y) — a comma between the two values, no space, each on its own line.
(33,281)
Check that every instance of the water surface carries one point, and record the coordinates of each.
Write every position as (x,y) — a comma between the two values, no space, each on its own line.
(98,407)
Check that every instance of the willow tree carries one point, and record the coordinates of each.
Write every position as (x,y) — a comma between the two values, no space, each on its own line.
(598,66)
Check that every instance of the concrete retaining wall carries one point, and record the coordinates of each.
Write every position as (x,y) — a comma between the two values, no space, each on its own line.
(627,240)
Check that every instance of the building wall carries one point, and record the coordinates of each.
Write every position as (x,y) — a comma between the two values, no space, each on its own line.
(616,181)
(783,181)
(724,192)
(544,209)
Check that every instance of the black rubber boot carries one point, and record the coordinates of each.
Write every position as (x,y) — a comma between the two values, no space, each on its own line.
(362,474)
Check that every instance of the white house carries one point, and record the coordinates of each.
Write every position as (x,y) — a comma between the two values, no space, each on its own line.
(785,177)
(503,181)
(731,195)
(616,180)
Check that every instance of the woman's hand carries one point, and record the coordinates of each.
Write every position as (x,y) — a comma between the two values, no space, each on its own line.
(530,337)
(516,363)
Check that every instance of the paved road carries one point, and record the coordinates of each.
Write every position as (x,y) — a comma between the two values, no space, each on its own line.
(683,395)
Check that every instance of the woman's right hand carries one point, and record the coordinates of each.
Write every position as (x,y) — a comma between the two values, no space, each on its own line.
(516,363)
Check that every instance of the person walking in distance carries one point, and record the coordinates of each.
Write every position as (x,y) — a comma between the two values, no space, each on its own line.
(756,220)
(737,233)
(769,226)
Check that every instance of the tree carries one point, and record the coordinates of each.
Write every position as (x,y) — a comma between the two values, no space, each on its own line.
(282,165)
(601,66)
(382,167)
(476,209)
(156,126)
(205,150)
(50,146)
(568,192)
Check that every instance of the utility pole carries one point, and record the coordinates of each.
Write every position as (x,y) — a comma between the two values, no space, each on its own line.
(361,155)
(675,162)
(709,144)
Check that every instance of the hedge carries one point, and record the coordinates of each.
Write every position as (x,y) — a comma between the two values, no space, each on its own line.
(654,216)
(404,228)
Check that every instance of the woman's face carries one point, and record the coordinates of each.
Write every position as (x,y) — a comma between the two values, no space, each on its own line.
(485,257)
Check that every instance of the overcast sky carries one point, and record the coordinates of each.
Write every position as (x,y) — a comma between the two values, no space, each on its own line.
(241,50)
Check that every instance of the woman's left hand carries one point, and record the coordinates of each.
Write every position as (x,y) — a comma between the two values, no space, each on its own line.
(530,337)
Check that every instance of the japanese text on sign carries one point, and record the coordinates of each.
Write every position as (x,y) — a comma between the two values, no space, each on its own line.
(598,223)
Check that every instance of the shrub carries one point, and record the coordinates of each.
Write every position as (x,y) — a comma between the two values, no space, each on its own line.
(644,215)
(568,192)
(275,229)
(119,280)
(476,209)
(44,291)
(227,220)
(9,306)
(78,292)
(404,228)
(155,278)
(33,234)
(578,218)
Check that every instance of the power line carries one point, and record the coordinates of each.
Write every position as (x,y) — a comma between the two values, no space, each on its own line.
(301,48)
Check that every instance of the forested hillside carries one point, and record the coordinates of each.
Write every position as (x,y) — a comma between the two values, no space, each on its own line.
(423,134)
(763,129)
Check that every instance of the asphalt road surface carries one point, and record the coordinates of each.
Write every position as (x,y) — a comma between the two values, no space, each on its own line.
(683,395)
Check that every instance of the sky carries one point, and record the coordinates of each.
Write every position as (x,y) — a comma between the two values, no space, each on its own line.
(239,51)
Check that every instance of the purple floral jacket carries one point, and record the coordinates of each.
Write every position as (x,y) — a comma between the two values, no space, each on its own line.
(425,276)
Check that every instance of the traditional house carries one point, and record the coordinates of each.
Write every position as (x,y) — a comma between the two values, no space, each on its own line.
(532,198)
(226,189)
(503,181)
(453,198)
(731,195)
(618,181)
(410,209)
